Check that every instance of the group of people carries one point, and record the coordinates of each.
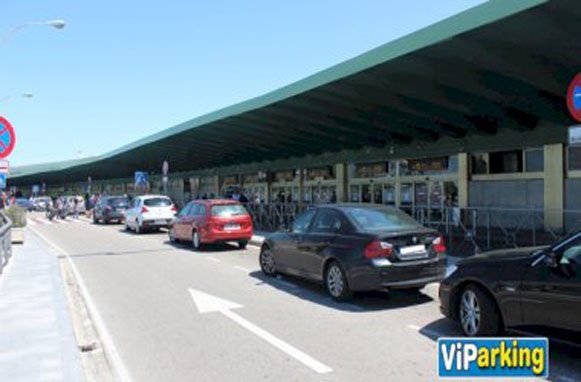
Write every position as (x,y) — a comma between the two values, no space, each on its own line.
(63,206)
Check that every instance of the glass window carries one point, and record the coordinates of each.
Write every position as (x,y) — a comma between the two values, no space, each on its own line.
(571,250)
(201,210)
(479,164)
(506,162)
(157,202)
(421,194)
(574,157)
(118,202)
(366,193)
(327,221)
(406,194)
(378,219)
(186,210)
(535,160)
(227,210)
(354,194)
(388,194)
(302,222)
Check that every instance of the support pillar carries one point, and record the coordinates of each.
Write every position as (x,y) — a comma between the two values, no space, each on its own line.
(463,180)
(554,186)
(341,176)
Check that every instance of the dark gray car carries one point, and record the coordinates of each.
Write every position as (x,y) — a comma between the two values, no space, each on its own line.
(354,247)
(110,208)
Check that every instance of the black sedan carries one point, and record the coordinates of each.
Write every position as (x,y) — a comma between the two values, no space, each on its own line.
(110,208)
(354,247)
(530,288)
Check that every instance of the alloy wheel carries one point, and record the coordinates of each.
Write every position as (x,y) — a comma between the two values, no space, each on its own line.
(267,262)
(470,312)
(335,281)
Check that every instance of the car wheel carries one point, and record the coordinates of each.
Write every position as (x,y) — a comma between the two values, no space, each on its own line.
(478,313)
(95,220)
(172,236)
(336,282)
(267,262)
(242,244)
(127,228)
(196,241)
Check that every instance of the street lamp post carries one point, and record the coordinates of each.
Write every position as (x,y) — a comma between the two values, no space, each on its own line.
(57,24)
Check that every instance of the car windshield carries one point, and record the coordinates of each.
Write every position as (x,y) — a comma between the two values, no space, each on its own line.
(119,202)
(226,210)
(384,219)
(157,202)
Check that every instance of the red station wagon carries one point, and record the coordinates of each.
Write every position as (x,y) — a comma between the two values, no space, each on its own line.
(212,221)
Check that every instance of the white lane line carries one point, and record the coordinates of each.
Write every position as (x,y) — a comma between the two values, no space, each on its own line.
(207,303)
(32,222)
(414,327)
(213,259)
(304,358)
(119,368)
(242,268)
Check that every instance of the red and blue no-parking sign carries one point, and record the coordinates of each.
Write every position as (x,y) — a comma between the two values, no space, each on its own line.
(7,138)
(574,98)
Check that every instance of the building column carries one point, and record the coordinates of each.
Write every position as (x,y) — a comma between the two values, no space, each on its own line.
(341,176)
(463,180)
(554,186)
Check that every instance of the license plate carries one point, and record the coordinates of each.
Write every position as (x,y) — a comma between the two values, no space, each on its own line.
(160,221)
(231,227)
(415,249)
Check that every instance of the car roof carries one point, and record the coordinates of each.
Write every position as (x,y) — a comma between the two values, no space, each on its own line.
(215,201)
(364,206)
(153,196)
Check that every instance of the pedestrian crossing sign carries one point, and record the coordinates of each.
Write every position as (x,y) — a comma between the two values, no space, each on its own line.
(140,179)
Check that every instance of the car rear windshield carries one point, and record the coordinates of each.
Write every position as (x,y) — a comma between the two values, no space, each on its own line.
(118,201)
(157,202)
(226,210)
(381,219)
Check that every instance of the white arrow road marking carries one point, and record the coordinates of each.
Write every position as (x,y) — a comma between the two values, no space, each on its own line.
(207,303)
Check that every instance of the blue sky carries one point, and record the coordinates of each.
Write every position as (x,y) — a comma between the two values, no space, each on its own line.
(122,70)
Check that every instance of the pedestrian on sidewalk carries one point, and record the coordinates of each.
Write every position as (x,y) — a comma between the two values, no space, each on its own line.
(76,208)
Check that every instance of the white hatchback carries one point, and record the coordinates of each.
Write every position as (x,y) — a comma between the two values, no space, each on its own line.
(149,212)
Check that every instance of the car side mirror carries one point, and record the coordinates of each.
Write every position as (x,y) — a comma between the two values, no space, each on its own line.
(551,259)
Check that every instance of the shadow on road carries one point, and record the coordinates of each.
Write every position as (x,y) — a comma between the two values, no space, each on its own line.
(564,359)
(361,301)
(206,248)
(116,253)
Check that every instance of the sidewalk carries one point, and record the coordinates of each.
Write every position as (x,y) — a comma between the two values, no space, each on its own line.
(37,342)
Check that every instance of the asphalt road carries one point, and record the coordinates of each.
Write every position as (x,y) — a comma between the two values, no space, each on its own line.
(142,287)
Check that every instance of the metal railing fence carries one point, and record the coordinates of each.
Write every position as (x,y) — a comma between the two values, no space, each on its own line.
(5,240)
(467,230)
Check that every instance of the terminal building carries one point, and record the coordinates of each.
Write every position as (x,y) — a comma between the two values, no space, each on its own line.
(468,113)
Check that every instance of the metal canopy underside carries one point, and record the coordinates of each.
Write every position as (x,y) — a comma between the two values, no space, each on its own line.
(502,64)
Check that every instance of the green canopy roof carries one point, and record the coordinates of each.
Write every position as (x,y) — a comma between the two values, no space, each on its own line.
(500,64)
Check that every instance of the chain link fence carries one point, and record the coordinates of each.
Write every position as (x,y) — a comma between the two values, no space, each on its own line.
(467,230)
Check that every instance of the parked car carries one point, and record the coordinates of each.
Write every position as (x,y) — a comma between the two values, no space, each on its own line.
(535,288)
(41,203)
(110,208)
(23,203)
(69,203)
(212,221)
(354,247)
(149,212)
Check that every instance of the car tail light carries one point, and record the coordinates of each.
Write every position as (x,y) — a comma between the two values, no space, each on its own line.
(174,209)
(439,245)
(377,249)
(144,210)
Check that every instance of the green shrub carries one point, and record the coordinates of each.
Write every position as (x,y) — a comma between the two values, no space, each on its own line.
(17,215)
